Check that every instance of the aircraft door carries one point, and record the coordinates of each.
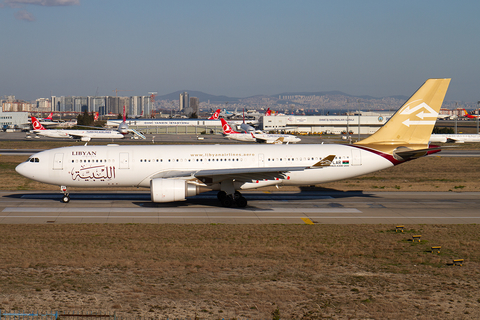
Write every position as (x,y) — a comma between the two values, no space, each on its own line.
(58,161)
(356,157)
(124,163)
(261,162)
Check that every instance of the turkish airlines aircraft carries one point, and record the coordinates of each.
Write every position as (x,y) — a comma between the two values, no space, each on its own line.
(174,172)
(276,138)
(257,137)
(215,115)
(232,134)
(454,138)
(83,135)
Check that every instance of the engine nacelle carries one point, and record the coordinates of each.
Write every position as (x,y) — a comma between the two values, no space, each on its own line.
(86,139)
(169,190)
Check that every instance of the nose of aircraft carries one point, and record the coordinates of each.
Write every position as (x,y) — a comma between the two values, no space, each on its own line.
(21,169)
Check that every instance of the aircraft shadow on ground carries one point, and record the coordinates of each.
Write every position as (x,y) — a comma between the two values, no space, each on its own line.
(204,199)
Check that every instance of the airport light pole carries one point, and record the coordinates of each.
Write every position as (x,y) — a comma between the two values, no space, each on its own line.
(478,117)
(359,114)
(456,108)
(348,127)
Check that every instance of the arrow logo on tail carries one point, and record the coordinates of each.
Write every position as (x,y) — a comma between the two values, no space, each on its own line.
(409,122)
(431,113)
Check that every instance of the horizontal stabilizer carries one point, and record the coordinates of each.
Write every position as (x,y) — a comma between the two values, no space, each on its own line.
(404,153)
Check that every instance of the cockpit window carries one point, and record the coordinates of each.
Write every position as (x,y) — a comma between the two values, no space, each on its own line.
(33,160)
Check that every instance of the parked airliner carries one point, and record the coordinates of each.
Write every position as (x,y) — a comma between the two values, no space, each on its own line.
(83,135)
(174,172)
(235,135)
(215,115)
(455,138)
(468,115)
(260,137)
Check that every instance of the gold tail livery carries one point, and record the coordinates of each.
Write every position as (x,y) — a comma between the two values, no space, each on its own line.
(175,172)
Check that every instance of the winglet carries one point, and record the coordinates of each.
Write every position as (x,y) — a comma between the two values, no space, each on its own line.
(325,162)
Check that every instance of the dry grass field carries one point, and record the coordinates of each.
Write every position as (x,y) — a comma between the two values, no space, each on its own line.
(252,271)
(242,271)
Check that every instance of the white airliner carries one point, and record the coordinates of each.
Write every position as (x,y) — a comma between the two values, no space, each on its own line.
(83,135)
(454,138)
(232,134)
(276,138)
(215,115)
(257,136)
(174,172)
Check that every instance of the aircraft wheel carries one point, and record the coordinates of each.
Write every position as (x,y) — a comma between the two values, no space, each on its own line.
(221,195)
(241,202)
(66,198)
(227,202)
(237,195)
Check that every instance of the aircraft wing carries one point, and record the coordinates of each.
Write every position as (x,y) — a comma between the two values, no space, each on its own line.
(242,174)
(259,139)
(234,172)
(77,136)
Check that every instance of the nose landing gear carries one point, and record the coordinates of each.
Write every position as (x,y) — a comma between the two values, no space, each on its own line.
(66,196)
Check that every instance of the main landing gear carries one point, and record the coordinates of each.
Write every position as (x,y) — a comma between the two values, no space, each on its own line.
(228,196)
(228,200)
(66,196)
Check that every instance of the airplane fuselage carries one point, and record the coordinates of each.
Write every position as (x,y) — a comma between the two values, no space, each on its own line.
(127,166)
(93,134)
(275,138)
(454,138)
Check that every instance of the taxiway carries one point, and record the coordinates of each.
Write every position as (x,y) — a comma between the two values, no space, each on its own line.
(309,207)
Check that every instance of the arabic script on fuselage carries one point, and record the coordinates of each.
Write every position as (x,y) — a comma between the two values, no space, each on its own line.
(101,173)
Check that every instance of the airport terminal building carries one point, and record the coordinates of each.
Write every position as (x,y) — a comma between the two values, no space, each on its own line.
(366,124)
(13,120)
(363,124)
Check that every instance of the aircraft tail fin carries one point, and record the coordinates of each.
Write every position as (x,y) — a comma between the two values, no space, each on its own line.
(50,116)
(468,115)
(226,127)
(37,125)
(413,123)
(215,115)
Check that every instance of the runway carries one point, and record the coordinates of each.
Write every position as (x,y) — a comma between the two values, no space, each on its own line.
(308,207)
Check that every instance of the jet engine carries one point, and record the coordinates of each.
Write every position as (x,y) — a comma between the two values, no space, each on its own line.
(86,139)
(169,190)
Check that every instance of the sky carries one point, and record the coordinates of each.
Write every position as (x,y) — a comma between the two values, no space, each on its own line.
(237,48)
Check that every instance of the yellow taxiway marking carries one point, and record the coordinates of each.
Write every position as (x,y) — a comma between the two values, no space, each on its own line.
(307,221)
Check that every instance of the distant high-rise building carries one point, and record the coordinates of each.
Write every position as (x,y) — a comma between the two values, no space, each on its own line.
(194,105)
(184,101)
(135,106)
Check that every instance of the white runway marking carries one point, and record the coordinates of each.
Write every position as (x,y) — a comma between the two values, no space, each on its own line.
(233,217)
(173,210)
